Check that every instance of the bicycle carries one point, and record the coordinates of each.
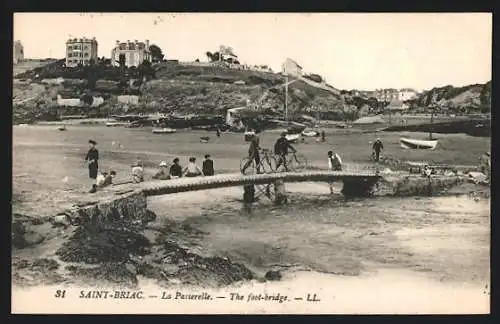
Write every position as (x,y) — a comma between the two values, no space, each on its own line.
(295,161)
(267,163)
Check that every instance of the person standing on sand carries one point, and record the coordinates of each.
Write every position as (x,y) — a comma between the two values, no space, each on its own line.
(377,147)
(92,159)
(208,166)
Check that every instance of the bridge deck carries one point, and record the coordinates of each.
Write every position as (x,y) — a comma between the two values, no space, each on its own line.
(162,187)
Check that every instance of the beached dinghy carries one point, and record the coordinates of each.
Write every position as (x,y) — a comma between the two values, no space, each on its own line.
(292,138)
(164,130)
(408,143)
(116,124)
(310,133)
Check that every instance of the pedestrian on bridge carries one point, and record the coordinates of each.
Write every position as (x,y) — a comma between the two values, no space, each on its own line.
(253,153)
(281,150)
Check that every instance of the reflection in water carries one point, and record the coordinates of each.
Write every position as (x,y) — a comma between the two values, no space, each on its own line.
(326,233)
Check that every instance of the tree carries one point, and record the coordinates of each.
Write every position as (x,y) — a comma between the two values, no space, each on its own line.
(156,53)
(213,57)
(145,70)
(197,60)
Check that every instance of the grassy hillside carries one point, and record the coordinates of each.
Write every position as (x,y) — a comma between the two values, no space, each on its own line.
(471,98)
(173,88)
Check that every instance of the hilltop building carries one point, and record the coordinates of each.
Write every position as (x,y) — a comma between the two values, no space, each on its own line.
(18,52)
(292,68)
(394,94)
(80,51)
(131,53)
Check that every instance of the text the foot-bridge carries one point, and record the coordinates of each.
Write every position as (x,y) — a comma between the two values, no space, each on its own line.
(162,187)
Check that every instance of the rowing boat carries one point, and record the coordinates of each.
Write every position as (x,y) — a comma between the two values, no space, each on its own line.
(409,143)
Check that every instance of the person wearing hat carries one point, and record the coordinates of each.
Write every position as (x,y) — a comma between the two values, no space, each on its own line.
(377,147)
(92,159)
(138,172)
(162,174)
(253,153)
(281,150)
(208,166)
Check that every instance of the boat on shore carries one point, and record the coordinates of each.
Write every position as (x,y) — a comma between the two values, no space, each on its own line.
(164,130)
(116,124)
(292,138)
(409,143)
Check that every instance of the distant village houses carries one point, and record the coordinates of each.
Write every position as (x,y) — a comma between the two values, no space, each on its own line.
(18,52)
(80,51)
(130,53)
(389,95)
(292,68)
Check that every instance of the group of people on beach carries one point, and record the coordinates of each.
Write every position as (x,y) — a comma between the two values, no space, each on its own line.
(282,148)
(103,179)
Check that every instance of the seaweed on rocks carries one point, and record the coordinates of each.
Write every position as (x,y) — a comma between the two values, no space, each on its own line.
(122,274)
(113,242)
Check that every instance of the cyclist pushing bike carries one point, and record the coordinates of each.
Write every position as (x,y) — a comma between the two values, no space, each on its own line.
(253,153)
(281,150)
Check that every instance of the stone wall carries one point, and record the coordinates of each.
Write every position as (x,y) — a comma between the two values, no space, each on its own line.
(413,185)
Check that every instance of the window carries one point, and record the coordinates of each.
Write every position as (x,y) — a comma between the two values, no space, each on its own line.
(85,54)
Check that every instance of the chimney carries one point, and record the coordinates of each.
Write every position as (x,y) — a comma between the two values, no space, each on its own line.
(117,43)
(147,44)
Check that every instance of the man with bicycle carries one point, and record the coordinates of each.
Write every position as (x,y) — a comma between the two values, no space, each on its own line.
(281,150)
(253,153)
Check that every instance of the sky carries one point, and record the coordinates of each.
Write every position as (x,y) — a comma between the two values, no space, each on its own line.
(363,51)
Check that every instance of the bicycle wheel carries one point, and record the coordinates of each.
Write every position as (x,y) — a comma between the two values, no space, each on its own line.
(250,163)
(301,161)
(269,164)
(297,162)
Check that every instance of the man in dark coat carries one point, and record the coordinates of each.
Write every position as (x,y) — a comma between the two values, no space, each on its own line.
(92,159)
(377,147)
(281,150)
(208,166)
